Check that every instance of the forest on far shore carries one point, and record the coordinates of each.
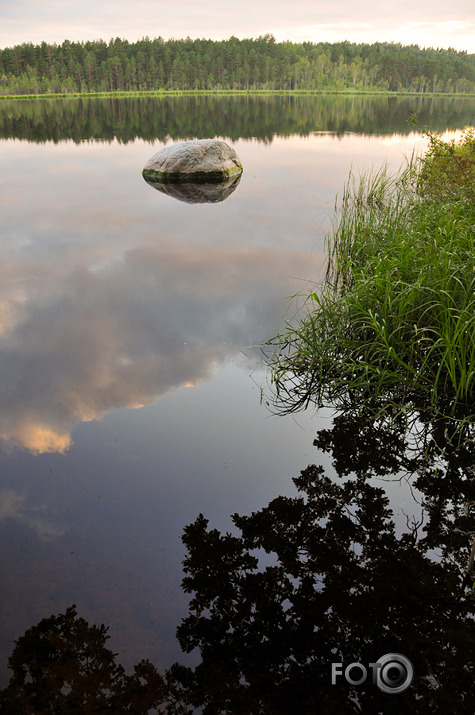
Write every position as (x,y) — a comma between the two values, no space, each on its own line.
(233,64)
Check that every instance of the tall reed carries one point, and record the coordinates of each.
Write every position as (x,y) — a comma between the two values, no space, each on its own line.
(394,321)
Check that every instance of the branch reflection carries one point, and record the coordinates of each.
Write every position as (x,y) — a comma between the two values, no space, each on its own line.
(326,576)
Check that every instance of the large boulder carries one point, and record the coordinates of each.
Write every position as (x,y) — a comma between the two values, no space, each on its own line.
(198,161)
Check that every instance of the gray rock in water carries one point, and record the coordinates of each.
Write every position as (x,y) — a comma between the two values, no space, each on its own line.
(198,161)
(197,193)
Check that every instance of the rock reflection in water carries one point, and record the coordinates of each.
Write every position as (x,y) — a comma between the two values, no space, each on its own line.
(194,193)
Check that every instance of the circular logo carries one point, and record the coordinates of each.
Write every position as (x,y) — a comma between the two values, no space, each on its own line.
(395,673)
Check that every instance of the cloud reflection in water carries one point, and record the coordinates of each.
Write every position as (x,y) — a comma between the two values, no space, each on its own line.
(111,296)
(122,333)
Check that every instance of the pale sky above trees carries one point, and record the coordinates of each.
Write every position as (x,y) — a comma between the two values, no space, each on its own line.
(428,23)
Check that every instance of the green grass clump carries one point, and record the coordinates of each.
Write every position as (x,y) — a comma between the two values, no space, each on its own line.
(393,324)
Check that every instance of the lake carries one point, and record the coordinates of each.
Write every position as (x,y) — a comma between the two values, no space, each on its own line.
(130,326)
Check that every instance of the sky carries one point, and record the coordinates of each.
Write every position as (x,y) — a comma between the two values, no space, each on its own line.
(427,23)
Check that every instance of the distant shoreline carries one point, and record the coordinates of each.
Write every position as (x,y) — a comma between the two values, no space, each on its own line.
(243,92)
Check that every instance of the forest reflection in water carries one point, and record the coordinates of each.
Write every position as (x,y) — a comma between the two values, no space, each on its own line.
(114,296)
(318,578)
(236,117)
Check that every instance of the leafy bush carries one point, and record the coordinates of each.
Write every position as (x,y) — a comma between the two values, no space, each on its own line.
(448,169)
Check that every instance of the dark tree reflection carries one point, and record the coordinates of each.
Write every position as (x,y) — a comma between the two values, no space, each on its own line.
(323,577)
(434,453)
(62,667)
(337,585)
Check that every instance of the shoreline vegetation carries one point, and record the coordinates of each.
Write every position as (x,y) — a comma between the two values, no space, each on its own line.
(118,94)
(391,328)
(246,65)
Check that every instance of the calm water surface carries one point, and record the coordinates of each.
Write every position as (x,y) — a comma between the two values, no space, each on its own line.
(129,373)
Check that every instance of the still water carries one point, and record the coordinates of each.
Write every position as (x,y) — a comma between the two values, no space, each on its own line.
(130,325)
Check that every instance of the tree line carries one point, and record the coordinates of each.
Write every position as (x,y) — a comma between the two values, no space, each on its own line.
(248,64)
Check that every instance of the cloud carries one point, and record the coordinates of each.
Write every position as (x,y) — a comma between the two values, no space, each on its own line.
(439,24)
